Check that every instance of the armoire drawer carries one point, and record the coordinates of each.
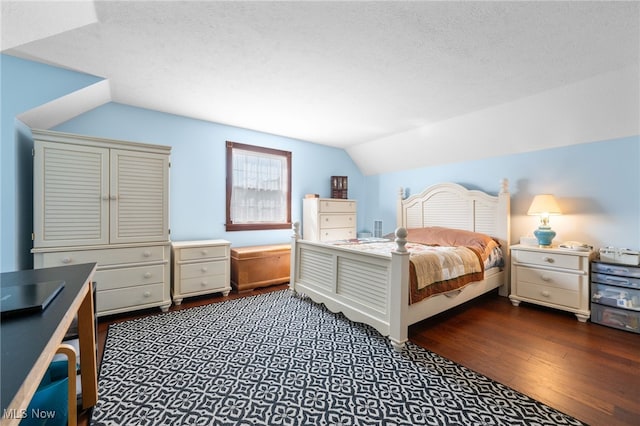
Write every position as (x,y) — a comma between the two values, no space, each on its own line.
(107,300)
(104,257)
(129,277)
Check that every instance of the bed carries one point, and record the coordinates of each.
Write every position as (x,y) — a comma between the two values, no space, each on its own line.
(373,288)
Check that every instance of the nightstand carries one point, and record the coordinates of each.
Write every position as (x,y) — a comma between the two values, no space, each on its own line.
(553,277)
(200,267)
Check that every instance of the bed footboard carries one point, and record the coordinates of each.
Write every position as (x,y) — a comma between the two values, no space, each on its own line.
(365,287)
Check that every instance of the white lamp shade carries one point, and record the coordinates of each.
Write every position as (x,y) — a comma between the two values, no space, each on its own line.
(544,204)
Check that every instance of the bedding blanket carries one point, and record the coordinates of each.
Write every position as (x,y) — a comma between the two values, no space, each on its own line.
(433,269)
(442,269)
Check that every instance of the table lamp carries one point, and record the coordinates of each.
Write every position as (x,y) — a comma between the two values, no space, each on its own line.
(544,205)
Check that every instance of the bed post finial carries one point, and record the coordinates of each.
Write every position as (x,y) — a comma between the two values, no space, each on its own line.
(399,216)
(401,240)
(294,250)
(504,186)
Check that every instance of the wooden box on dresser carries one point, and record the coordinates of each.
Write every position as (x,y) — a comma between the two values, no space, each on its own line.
(553,277)
(105,201)
(326,219)
(200,267)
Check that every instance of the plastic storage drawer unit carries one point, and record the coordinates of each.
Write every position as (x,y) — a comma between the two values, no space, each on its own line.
(615,295)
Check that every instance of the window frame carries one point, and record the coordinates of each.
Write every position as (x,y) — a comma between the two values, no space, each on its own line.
(230,226)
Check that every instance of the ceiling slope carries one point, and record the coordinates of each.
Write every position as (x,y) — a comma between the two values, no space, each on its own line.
(348,74)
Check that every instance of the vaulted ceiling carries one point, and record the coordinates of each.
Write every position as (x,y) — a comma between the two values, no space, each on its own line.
(344,73)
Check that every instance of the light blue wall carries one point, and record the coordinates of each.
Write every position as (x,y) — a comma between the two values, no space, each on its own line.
(24,85)
(597,186)
(197,197)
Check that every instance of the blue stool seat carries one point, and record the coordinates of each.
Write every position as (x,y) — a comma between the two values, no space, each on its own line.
(49,404)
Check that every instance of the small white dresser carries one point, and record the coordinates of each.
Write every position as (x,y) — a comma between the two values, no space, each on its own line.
(327,219)
(200,267)
(552,277)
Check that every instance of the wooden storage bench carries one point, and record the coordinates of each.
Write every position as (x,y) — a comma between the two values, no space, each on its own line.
(259,266)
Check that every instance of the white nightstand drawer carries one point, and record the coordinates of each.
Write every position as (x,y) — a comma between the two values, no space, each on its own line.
(556,260)
(206,252)
(207,283)
(548,278)
(203,269)
(337,221)
(548,294)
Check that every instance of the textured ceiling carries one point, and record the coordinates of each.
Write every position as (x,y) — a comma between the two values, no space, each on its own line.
(335,73)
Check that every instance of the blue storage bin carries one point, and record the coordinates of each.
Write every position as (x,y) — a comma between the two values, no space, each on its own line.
(49,404)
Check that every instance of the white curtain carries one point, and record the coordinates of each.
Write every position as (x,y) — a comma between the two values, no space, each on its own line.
(259,188)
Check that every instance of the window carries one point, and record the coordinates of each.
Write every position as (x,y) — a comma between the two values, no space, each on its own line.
(258,188)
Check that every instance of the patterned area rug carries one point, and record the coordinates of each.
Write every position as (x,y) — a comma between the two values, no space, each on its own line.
(278,359)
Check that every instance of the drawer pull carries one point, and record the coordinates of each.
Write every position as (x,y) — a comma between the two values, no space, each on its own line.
(617,270)
(66,260)
(203,283)
(545,278)
(545,293)
(548,259)
(617,280)
(204,252)
(146,294)
(147,274)
(204,269)
(146,253)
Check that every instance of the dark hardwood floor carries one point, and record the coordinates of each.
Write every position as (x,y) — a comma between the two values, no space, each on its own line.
(588,371)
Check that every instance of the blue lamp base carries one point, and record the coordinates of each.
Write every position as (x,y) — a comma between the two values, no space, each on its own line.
(545,235)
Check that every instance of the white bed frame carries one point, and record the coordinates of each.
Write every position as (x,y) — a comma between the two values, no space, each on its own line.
(373,288)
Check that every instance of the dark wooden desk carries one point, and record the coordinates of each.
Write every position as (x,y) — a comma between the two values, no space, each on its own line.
(29,342)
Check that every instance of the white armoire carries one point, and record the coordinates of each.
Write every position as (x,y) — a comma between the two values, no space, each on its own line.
(105,201)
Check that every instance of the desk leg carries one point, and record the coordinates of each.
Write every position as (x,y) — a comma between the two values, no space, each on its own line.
(87,341)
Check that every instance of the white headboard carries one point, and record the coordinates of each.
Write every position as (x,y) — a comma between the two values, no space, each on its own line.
(453,206)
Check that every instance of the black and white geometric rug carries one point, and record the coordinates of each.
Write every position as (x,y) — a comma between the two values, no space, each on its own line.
(278,359)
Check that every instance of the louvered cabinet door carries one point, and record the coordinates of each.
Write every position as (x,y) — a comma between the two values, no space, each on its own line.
(71,192)
(139,197)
